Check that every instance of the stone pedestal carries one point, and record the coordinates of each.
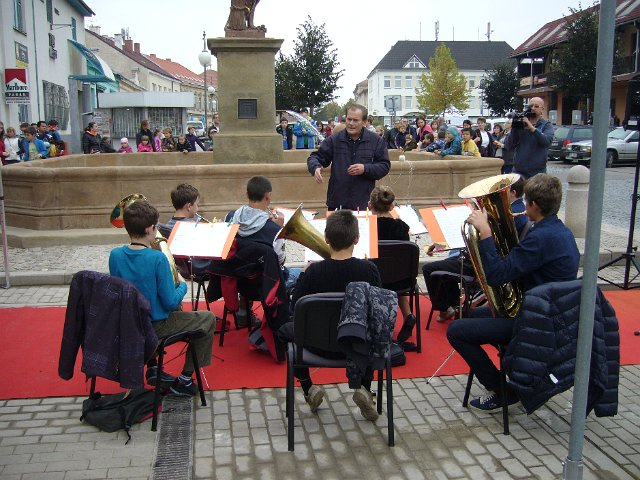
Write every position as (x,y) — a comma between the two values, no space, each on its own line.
(246,100)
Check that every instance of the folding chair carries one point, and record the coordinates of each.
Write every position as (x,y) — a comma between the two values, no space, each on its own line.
(398,263)
(316,320)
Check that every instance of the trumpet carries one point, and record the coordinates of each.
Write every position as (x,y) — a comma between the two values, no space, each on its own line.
(200,218)
(160,243)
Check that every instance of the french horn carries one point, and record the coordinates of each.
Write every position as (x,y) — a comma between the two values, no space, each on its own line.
(301,231)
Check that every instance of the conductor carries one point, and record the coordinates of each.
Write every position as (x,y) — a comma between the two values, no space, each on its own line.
(358,157)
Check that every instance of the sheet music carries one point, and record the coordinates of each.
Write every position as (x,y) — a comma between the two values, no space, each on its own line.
(287,213)
(362,248)
(409,216)
(201,240)
(450,222)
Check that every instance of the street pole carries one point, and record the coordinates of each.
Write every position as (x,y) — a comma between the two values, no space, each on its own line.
(205,60)
(573,465)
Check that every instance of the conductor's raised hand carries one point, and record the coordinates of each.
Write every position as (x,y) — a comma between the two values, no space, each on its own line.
(356,169)
(318,175)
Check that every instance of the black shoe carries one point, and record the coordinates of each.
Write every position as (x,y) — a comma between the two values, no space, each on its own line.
(243,320)
(407,328)
(491,402)
(182,389)
(409,347)
(166,379)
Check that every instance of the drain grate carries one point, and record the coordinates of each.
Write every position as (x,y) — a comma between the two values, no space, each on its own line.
(174,450)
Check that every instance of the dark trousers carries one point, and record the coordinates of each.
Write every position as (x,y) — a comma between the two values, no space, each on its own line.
(449,294)
(467,336)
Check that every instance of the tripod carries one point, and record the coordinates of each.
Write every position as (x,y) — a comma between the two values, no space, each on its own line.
(629,256)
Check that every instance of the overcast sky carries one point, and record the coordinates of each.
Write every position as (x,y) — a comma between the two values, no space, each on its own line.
(362,32)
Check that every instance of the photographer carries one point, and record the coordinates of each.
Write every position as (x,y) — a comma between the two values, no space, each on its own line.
(530,138)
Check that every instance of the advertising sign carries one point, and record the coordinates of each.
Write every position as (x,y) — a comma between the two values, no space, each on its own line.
(16,89)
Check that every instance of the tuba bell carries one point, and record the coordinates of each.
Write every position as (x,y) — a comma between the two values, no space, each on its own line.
(160,243)
(301,231)
(492,195)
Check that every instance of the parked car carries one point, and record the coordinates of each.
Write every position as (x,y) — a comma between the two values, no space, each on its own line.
(622,147)
(566,134)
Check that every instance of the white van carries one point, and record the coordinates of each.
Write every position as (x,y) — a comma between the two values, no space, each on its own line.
(198,125)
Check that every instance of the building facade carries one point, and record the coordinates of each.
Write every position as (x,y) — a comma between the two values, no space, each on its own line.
(399,73)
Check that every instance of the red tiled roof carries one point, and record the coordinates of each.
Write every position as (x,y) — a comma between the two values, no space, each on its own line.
(179,71)
(553,32)
(135,56)
(212,78)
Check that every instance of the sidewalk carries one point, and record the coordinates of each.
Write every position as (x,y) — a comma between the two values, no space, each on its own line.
(241,434)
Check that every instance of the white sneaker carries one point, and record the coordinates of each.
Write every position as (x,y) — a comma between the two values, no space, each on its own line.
(363,398)
(315,397)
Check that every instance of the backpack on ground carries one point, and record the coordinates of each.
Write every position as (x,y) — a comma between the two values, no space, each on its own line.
(115,412)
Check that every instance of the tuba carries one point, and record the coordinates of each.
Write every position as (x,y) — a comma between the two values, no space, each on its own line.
(301,231)
(492,195)
(160,243)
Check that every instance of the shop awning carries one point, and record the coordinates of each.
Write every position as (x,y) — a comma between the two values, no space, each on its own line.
(103,71)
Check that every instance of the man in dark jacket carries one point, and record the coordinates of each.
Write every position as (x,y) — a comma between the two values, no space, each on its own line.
(532,262)
(530,144)
(359,158)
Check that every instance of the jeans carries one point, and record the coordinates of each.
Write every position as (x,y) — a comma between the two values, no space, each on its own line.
(467,336)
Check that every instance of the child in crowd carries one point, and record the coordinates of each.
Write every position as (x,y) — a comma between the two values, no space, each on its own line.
(410,143)
(168,142)
(149,271)
(333,275)
(145,145)
(124,146)
(469,147)
(381,203)
(286,131)
(183,144)
(11,147)
(35,148)
(427,140)
(157,140)
(453,145)
(105,145)
(439,142)
(193,140)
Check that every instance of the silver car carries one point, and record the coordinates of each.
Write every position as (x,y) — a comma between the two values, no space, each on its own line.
(622,147)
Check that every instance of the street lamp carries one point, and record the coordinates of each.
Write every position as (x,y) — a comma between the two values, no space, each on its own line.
(212,94)
(205,60)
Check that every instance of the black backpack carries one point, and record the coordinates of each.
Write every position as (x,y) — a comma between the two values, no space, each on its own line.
(114,412)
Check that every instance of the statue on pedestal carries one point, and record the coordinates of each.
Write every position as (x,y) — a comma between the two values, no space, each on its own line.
(240,22)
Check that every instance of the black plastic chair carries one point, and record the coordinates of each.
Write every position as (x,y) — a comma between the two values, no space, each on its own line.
(316,320)
(503,388)
(469,285)
(398,264)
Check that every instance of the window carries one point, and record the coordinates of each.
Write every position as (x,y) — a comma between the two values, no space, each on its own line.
(18,16)
(23,113)
(408,103)
(73,28)
(49,7)
(472,82)
(166,117)
(387,82)
(397,82)
(408,81)
(126,122)
(56,103)
(414,62)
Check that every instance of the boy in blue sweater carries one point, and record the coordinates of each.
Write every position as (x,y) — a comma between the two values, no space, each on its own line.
(149,271)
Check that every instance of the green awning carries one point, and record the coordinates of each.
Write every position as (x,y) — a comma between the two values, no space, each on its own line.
(105,74)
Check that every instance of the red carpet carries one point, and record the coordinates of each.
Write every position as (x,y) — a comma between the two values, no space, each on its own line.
(32,344)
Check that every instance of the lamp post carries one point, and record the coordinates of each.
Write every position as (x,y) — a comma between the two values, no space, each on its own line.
(205,60)
(212,94)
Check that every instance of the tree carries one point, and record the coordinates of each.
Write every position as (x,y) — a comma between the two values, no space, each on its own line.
(309,77)
(574,69)
(442,86)
(500,89)
(328,111)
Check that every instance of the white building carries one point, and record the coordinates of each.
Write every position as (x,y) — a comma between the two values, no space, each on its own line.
(46,39)
(398,74)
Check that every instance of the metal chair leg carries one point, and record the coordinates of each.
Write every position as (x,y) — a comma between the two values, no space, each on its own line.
(467,390)
(390,430)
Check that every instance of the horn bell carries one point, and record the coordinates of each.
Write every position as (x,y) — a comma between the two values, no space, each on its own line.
(300,230)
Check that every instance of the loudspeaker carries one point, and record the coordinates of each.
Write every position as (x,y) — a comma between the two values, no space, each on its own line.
(632,113)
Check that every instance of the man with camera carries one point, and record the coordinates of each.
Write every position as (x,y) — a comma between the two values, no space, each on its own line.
(530,138)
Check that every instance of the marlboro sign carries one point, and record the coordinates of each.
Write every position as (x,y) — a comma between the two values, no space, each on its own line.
(16,89)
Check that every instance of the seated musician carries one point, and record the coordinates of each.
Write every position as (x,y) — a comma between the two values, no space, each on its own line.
(185,199)
(149,271)
(449,297)
(532,262)
(381,203)
(333,275)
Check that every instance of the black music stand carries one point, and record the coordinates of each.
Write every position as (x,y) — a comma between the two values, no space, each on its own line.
(629,256)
